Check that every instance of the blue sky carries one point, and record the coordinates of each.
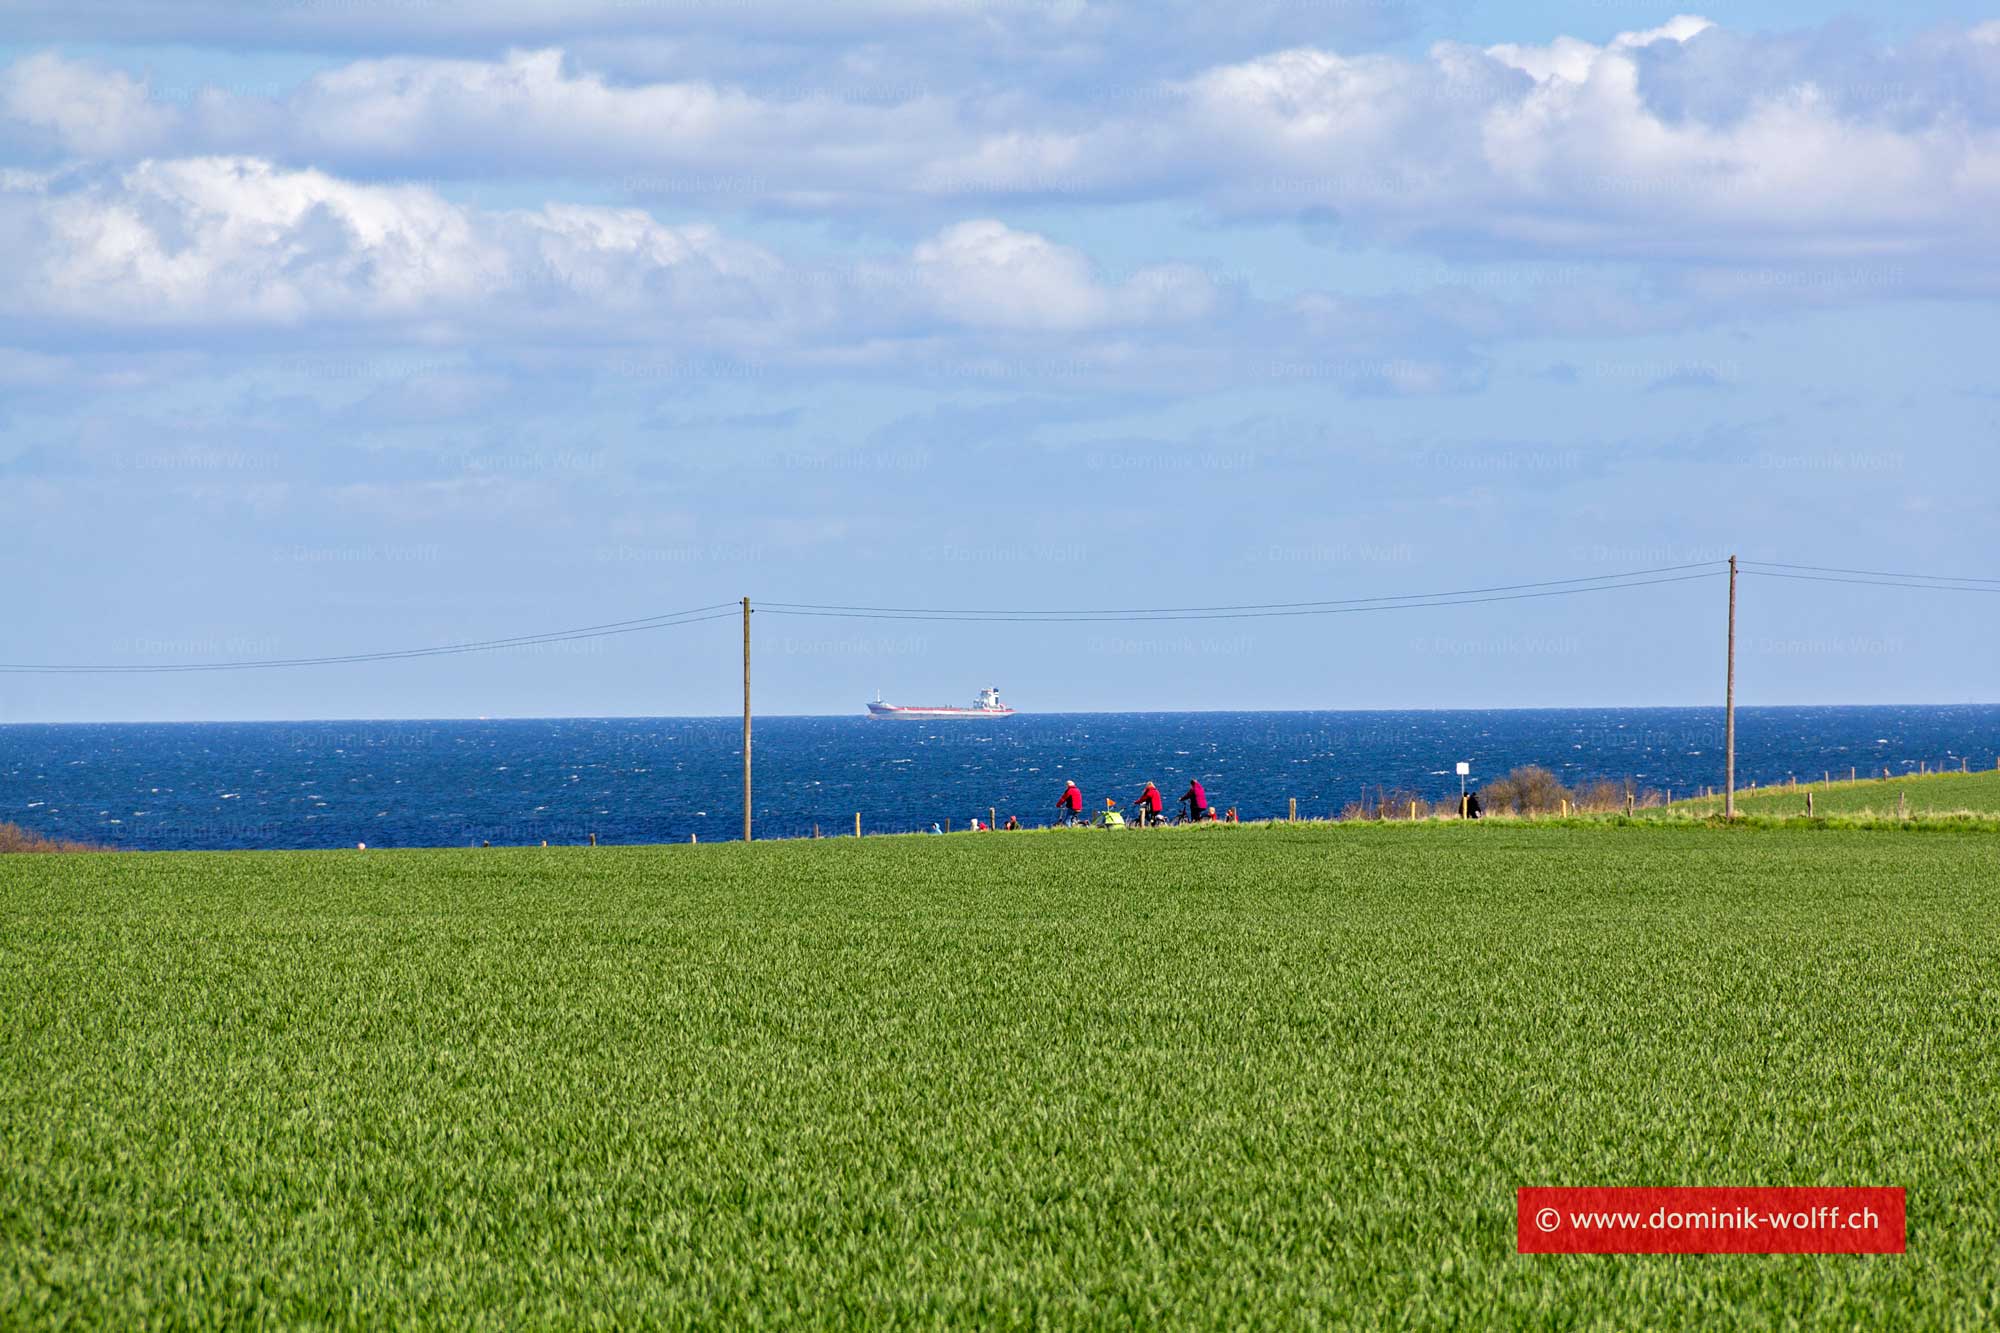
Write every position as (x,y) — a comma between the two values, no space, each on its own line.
(336,327)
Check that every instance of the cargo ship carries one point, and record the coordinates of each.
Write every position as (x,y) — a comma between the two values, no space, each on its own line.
(989,705)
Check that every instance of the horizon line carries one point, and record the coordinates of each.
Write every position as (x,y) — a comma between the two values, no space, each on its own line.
(735,717)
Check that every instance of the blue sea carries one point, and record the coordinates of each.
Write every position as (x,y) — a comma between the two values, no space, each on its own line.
(649,780)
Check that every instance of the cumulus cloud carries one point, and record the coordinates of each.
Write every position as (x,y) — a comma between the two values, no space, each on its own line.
(987,274)
(82,109)
(206,251)
(1584,159)
(1684,140)
(1573,61)
(528,112)
(532,111)
(1558,148)
(234,241)
(1812,181)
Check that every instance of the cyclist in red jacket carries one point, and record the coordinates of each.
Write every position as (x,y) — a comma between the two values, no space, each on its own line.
(1149,805)
(1069,805)
(1195,799)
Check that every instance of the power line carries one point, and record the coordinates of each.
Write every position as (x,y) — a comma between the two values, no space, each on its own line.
(1872,573)
(1216,612)
(1865,583)
(716,611)
(666,620)
(1505,592)
(1083,618)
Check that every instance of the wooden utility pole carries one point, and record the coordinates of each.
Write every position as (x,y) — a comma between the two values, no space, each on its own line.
(746,719)
(1728,707)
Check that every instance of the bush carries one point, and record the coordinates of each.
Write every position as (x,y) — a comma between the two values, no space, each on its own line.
(14,838)
(1600,794)
(1529,790)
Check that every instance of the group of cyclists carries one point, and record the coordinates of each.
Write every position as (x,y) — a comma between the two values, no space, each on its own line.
(1148,807)
(1148,810)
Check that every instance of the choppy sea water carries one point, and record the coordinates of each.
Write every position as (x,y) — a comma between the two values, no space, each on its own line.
(647,780)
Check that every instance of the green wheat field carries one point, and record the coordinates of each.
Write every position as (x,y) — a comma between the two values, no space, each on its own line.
(1270,1077)
(1928,794)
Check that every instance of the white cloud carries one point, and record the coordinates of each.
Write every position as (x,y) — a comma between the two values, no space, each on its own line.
(233,241)
(986,274)
(1572,61)
(241,241)
(1584,160)
(530,111)
(81,109)
(1683,140)
(526,113)
(202,251)
(1558,149)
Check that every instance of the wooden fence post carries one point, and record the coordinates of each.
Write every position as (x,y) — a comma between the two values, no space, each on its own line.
(1293,814)
(857,823)
(1809,808)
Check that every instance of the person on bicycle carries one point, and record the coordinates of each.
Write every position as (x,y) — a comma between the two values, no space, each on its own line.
(1195,801)
(1148,805)
(1069,805)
